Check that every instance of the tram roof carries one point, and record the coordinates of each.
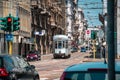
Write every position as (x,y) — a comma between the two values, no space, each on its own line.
(60,37)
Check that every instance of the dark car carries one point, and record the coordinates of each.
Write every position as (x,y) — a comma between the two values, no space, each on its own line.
(89,71)
(82,49)
(16,68)
(33,55)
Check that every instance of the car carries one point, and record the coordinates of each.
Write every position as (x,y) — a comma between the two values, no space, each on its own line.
(82,49)
(13,67)
(89,71)
(33,55)
(74,49)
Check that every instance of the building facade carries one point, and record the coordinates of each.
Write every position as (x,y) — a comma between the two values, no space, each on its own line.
(47,17)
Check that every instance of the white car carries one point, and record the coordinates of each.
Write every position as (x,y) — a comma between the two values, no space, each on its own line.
(89,71)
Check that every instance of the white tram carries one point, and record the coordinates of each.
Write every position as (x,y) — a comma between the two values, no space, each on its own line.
(61,46)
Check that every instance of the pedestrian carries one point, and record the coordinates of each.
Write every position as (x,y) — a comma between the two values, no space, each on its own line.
(103,51)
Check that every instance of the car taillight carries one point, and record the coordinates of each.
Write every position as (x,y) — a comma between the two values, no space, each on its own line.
(63,76)
(3,72)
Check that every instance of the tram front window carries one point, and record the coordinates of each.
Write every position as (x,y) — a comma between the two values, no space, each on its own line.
(59,45)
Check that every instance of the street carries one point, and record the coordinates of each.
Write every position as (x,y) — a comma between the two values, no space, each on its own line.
(51,69)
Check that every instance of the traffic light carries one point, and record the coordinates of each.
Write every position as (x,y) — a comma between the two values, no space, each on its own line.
(6,23)
(93,35)
(9,24)
(16,23)
(3,21)
(9,21)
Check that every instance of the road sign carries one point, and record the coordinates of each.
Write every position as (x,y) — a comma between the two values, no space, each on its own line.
(87,31)
(9,37)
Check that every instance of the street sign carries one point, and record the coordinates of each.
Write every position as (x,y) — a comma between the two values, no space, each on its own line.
(41,33)
(87,31)
(9,37)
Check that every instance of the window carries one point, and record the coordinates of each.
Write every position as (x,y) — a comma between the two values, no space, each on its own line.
(22,62)
(55,44)
(66,44)
(15,62)
(8,63)
(59,44)
(86,76)
(63,44)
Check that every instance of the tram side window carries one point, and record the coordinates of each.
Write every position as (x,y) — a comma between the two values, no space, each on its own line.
(63,44)
(66,44)
(55,44)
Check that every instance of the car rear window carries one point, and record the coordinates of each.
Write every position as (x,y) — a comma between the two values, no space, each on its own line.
(88,76)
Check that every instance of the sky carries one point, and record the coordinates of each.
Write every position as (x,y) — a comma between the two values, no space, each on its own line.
(91,9)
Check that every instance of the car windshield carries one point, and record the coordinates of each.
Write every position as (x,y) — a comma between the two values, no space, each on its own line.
(33,52)
(88,76)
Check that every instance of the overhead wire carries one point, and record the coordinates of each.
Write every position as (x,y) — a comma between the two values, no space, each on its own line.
(88,6)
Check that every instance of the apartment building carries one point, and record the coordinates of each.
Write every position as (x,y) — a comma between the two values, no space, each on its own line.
(47,20)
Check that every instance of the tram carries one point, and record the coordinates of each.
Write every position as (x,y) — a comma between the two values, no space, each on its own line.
(61,46)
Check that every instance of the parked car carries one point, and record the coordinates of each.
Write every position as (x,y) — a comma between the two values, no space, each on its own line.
(89,71)
(33,55)
(74,49)
(16,68)
(83,49)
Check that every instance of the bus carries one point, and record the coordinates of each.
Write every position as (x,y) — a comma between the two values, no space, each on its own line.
(61,46)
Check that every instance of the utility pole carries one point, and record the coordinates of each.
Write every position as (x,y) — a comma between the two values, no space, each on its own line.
(110,40)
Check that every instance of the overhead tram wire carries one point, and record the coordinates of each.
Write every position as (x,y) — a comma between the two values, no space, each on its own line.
(91,8)
(90,4)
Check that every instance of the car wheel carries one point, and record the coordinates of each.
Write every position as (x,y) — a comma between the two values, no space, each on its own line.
(36,78)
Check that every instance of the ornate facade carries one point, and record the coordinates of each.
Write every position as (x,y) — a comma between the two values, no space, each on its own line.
(47,16)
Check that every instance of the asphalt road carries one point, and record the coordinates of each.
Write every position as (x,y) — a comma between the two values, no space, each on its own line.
(51,69)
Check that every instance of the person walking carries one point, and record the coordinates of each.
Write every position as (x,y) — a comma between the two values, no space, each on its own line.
(103,51)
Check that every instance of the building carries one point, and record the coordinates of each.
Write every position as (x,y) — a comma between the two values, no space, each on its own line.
(48,16)
(81,24)
(117,29)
